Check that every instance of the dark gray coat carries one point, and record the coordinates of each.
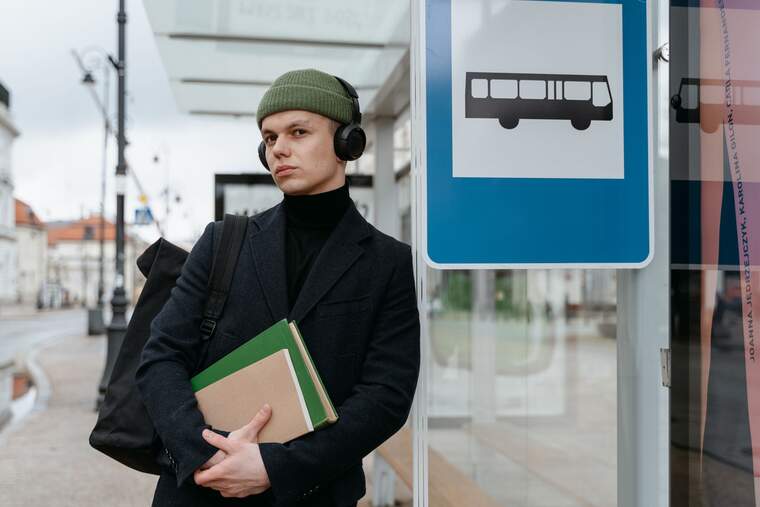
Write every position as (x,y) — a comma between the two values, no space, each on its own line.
(358,314)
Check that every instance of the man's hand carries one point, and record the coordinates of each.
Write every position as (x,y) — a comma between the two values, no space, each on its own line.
(241,471)
(215,459)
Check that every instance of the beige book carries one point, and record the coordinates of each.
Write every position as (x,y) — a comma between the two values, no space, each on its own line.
(232,401)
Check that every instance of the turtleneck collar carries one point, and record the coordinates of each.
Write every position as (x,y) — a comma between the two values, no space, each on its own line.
(319,210)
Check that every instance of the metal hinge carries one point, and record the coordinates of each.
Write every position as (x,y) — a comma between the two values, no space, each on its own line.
(663,53)
(665,366)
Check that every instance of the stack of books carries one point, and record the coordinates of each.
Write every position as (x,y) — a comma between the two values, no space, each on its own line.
(274,367)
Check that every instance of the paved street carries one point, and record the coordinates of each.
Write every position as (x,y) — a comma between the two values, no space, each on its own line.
(45,458)
(21,334)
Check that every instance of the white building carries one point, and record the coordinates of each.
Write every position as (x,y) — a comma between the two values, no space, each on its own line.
(74,261)
(8,133)
(31,241)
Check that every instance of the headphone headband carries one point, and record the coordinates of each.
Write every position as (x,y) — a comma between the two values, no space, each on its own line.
(356,114)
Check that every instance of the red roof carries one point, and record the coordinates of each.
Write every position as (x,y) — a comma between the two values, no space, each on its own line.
(76,230)
(25,215)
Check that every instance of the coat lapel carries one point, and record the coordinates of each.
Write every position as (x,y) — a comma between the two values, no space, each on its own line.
(268,246)
(339,253)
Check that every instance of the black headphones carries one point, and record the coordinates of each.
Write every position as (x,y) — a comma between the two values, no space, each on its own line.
(349,140)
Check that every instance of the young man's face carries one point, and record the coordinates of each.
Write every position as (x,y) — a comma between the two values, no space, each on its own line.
(300,152)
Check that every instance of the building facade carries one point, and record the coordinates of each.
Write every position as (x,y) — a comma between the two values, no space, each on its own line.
(31,241)
(8,132)
(74,261)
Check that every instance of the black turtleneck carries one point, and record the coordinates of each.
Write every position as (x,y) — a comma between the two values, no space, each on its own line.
(310,220)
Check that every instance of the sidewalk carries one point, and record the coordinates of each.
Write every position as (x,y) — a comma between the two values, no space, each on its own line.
(20,311)
(45,459)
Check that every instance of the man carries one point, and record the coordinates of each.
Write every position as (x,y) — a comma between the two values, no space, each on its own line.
(312,259)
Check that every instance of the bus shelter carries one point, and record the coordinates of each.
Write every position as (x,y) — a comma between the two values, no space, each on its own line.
(538,387)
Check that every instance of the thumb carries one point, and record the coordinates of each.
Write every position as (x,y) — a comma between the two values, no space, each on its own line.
(253,428)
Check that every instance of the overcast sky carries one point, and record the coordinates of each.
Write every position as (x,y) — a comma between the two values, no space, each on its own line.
(57,160)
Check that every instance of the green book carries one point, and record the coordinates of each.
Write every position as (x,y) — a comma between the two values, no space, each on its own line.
(282,335)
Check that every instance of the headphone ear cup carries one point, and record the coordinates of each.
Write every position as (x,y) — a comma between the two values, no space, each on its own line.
(263,155)
(357,141)
(349,142)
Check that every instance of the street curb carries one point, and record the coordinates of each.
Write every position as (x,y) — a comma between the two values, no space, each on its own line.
(40,382)
(6,413)
(39,378)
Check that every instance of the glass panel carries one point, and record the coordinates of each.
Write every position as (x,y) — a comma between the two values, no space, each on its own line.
(247,44)
(751,94)
(715,205)
(402,144)
(238,61)
(229,98)
(372,21)
(522,387)
(712,94)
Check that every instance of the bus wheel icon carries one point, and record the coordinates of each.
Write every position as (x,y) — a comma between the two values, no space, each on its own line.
(580,124)
(509,122)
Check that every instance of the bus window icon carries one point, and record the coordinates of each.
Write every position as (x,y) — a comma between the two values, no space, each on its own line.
(511,97)
(703,101)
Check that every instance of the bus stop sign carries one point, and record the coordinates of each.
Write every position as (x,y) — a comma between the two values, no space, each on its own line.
(536,118)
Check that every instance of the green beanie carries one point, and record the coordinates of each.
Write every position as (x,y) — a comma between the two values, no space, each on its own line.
(308,90)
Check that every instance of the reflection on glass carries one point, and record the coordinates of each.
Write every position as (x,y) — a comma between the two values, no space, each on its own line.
(522,388)
(715,242)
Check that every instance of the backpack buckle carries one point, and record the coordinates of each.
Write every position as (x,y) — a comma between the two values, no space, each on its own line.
(207,328)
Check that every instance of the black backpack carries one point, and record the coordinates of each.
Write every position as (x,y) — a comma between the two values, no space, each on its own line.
(124,430)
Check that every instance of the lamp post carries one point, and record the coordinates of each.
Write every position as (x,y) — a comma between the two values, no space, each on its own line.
(95,322)
(98,327)
(118,326)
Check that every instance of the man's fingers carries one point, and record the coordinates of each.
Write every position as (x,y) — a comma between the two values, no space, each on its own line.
(208,477)
(259,421)
(218,441)
(198,478)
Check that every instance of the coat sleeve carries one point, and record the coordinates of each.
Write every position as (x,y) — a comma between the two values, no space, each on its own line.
(168,359)
(377,407)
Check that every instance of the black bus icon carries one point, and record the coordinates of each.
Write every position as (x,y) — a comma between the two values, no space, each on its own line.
(703,101)
(511,97)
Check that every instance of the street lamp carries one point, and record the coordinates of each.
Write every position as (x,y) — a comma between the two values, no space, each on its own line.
(118,326)
(95,322)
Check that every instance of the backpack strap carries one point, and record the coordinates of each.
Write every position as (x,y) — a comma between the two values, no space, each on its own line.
(227,246)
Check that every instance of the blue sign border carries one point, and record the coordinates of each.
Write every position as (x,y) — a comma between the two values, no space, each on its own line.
(516,221)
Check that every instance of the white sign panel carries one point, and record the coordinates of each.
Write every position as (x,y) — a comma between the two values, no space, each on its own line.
(537,90)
